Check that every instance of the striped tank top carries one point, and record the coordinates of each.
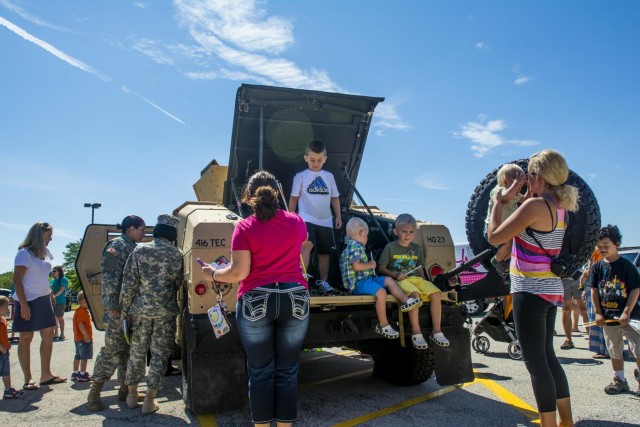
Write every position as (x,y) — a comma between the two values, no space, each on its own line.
(530,267)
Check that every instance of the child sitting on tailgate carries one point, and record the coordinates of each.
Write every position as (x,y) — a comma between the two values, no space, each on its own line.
(402,260)
(359,278)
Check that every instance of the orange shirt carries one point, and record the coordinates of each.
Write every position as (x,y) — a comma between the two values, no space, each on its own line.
(81,316)
(4,337)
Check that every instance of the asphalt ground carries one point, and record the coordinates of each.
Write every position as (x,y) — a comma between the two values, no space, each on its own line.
(337,389)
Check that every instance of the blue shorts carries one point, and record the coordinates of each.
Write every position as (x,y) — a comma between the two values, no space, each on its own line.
(369,286)
(84,350)
(5,365)
(41,315)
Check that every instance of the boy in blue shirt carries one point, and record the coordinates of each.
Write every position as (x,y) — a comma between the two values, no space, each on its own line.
(359,278)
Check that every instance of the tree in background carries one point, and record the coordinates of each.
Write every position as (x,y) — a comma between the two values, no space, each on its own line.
(6,279)
(70,254)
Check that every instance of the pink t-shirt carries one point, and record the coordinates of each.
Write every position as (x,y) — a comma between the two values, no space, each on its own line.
(275,249)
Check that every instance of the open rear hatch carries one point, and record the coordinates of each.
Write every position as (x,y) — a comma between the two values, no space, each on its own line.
(272,127)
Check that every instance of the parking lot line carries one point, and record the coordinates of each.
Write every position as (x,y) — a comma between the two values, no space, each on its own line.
(509,398)
(207,420)
(397,407)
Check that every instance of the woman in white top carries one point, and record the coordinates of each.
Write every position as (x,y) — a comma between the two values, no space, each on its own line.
(34,310)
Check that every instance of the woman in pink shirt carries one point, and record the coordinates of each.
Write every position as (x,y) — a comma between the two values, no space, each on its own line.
(272,314)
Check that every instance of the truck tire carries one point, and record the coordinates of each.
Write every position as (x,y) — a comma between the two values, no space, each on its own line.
(403,366)
(582,232)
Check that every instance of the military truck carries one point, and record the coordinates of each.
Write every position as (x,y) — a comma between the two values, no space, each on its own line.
(271,128)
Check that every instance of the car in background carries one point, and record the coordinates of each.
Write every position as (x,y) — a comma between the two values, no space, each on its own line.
(5,292)
(632,253)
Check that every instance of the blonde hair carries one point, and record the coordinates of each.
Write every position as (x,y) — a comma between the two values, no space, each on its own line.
(508,171)
(356,224)
(553,168)
(81,297)
(34,241)
(3,301)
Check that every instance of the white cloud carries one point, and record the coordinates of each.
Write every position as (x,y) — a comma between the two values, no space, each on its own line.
(386,117)
(52,50)
(33,19)
(521,80)
(150,49)
(430,182)
(481,46)
(484,135)
(139,5)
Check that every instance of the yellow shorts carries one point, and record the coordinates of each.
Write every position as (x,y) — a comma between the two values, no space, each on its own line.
(418,284)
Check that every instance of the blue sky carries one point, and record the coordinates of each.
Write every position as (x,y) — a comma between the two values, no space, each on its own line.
(125,102)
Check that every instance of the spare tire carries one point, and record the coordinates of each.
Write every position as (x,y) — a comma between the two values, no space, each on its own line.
(581,235)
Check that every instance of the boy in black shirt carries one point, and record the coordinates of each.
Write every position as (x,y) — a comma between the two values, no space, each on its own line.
(617,282)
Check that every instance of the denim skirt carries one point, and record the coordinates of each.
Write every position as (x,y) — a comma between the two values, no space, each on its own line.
(41,315)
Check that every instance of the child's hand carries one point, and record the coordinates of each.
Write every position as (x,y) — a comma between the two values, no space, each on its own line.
(400,277)
(599,320)
(87,338)
(624,319)
(208,269)
(373,264)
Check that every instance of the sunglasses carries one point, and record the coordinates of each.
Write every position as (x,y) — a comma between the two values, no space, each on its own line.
(45,226)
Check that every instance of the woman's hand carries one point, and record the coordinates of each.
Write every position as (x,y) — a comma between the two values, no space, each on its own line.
(208,269)
(25,312)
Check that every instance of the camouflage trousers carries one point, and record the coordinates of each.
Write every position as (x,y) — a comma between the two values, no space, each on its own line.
(157,335)
(115,353)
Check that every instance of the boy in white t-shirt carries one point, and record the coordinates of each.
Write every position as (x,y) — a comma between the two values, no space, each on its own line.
(314,193)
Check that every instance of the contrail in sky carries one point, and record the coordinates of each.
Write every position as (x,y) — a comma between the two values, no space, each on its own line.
(52,50)
(77,63)
(157,107)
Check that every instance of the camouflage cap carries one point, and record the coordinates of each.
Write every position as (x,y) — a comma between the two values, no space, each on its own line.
(169,220)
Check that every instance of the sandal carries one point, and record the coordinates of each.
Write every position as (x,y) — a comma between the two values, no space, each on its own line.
(568,345)
(410,304)
(387,332)
(439,339)
(418,341)
(31,385)
(600,356)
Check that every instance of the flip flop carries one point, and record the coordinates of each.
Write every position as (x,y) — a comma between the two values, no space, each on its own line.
(54,380)
(30,386)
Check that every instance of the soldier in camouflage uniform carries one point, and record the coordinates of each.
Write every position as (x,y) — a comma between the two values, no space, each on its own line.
(148,300)
(115,352)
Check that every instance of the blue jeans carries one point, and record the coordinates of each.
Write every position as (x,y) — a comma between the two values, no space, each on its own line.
(272,321)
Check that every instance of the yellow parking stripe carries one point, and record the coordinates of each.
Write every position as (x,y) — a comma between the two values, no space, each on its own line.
(207,420)
(397,407)
(511,399)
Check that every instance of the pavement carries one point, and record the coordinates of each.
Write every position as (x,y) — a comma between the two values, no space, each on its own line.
(336,388)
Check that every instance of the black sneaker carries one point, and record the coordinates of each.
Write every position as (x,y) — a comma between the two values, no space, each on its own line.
(617,386)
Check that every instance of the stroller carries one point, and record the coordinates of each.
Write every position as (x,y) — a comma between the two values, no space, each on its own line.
(498,324)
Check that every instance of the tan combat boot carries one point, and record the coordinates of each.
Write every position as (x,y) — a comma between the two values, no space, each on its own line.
(132,397)
(123,392)
(150,405)
(93,400)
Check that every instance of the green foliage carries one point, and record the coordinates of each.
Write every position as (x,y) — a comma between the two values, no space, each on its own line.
(70,254)
(6,279)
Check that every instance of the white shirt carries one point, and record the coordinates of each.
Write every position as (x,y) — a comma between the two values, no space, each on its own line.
(315,191)
(36,278)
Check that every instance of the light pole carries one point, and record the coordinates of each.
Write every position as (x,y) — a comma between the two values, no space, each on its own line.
(93,207)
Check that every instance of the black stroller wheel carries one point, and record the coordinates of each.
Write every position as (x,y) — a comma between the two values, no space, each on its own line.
(514,350)
(481,344)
